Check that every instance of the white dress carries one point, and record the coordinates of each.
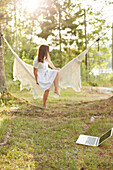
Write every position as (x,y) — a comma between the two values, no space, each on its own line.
(45,75)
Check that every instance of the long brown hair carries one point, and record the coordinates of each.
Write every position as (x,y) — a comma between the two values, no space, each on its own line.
(43,52)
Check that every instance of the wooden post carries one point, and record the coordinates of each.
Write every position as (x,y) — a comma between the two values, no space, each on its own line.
(85,42)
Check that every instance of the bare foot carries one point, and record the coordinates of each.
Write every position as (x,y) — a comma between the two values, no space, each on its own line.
(45,106)
(57,92)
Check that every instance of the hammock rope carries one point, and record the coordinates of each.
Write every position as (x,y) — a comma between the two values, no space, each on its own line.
(17,57)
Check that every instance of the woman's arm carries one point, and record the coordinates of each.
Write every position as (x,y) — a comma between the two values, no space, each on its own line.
(35,74)
(52,65)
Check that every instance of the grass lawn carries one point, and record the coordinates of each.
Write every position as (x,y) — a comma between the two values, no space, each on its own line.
(45,139)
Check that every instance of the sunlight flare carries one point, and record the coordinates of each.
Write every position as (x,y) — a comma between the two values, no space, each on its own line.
(31,5)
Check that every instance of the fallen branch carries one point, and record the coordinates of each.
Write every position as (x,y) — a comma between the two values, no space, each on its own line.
(79,103)
(40,107)
(7,136)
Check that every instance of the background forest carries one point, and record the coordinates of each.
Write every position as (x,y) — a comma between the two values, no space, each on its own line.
(68,27)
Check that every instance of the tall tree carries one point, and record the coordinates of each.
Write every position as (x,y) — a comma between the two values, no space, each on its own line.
(3,86)
(16,28)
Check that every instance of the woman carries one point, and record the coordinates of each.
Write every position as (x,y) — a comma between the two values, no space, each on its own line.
(44,76)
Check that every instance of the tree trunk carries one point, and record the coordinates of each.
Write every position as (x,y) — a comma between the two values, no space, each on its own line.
(3,87)
(16,31)
(60,38)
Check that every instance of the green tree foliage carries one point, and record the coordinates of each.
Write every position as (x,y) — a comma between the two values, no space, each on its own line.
(99,59)
(59,23)
(96,25)
(21,29)
(62,25)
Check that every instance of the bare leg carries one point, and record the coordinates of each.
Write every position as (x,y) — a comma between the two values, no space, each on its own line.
(56,85)
(45,96)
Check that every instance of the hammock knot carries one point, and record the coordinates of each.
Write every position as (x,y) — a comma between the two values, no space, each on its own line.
(98,39)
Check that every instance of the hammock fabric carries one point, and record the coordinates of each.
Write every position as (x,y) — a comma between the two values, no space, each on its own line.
(69,75)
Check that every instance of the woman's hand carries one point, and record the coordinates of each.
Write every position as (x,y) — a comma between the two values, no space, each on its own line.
(57,68)
(52,65)
(37,83)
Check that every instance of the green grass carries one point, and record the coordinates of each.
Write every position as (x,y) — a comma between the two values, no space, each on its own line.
(46,139)
(3,128)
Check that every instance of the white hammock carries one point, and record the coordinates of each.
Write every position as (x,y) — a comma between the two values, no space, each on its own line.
(69,75)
